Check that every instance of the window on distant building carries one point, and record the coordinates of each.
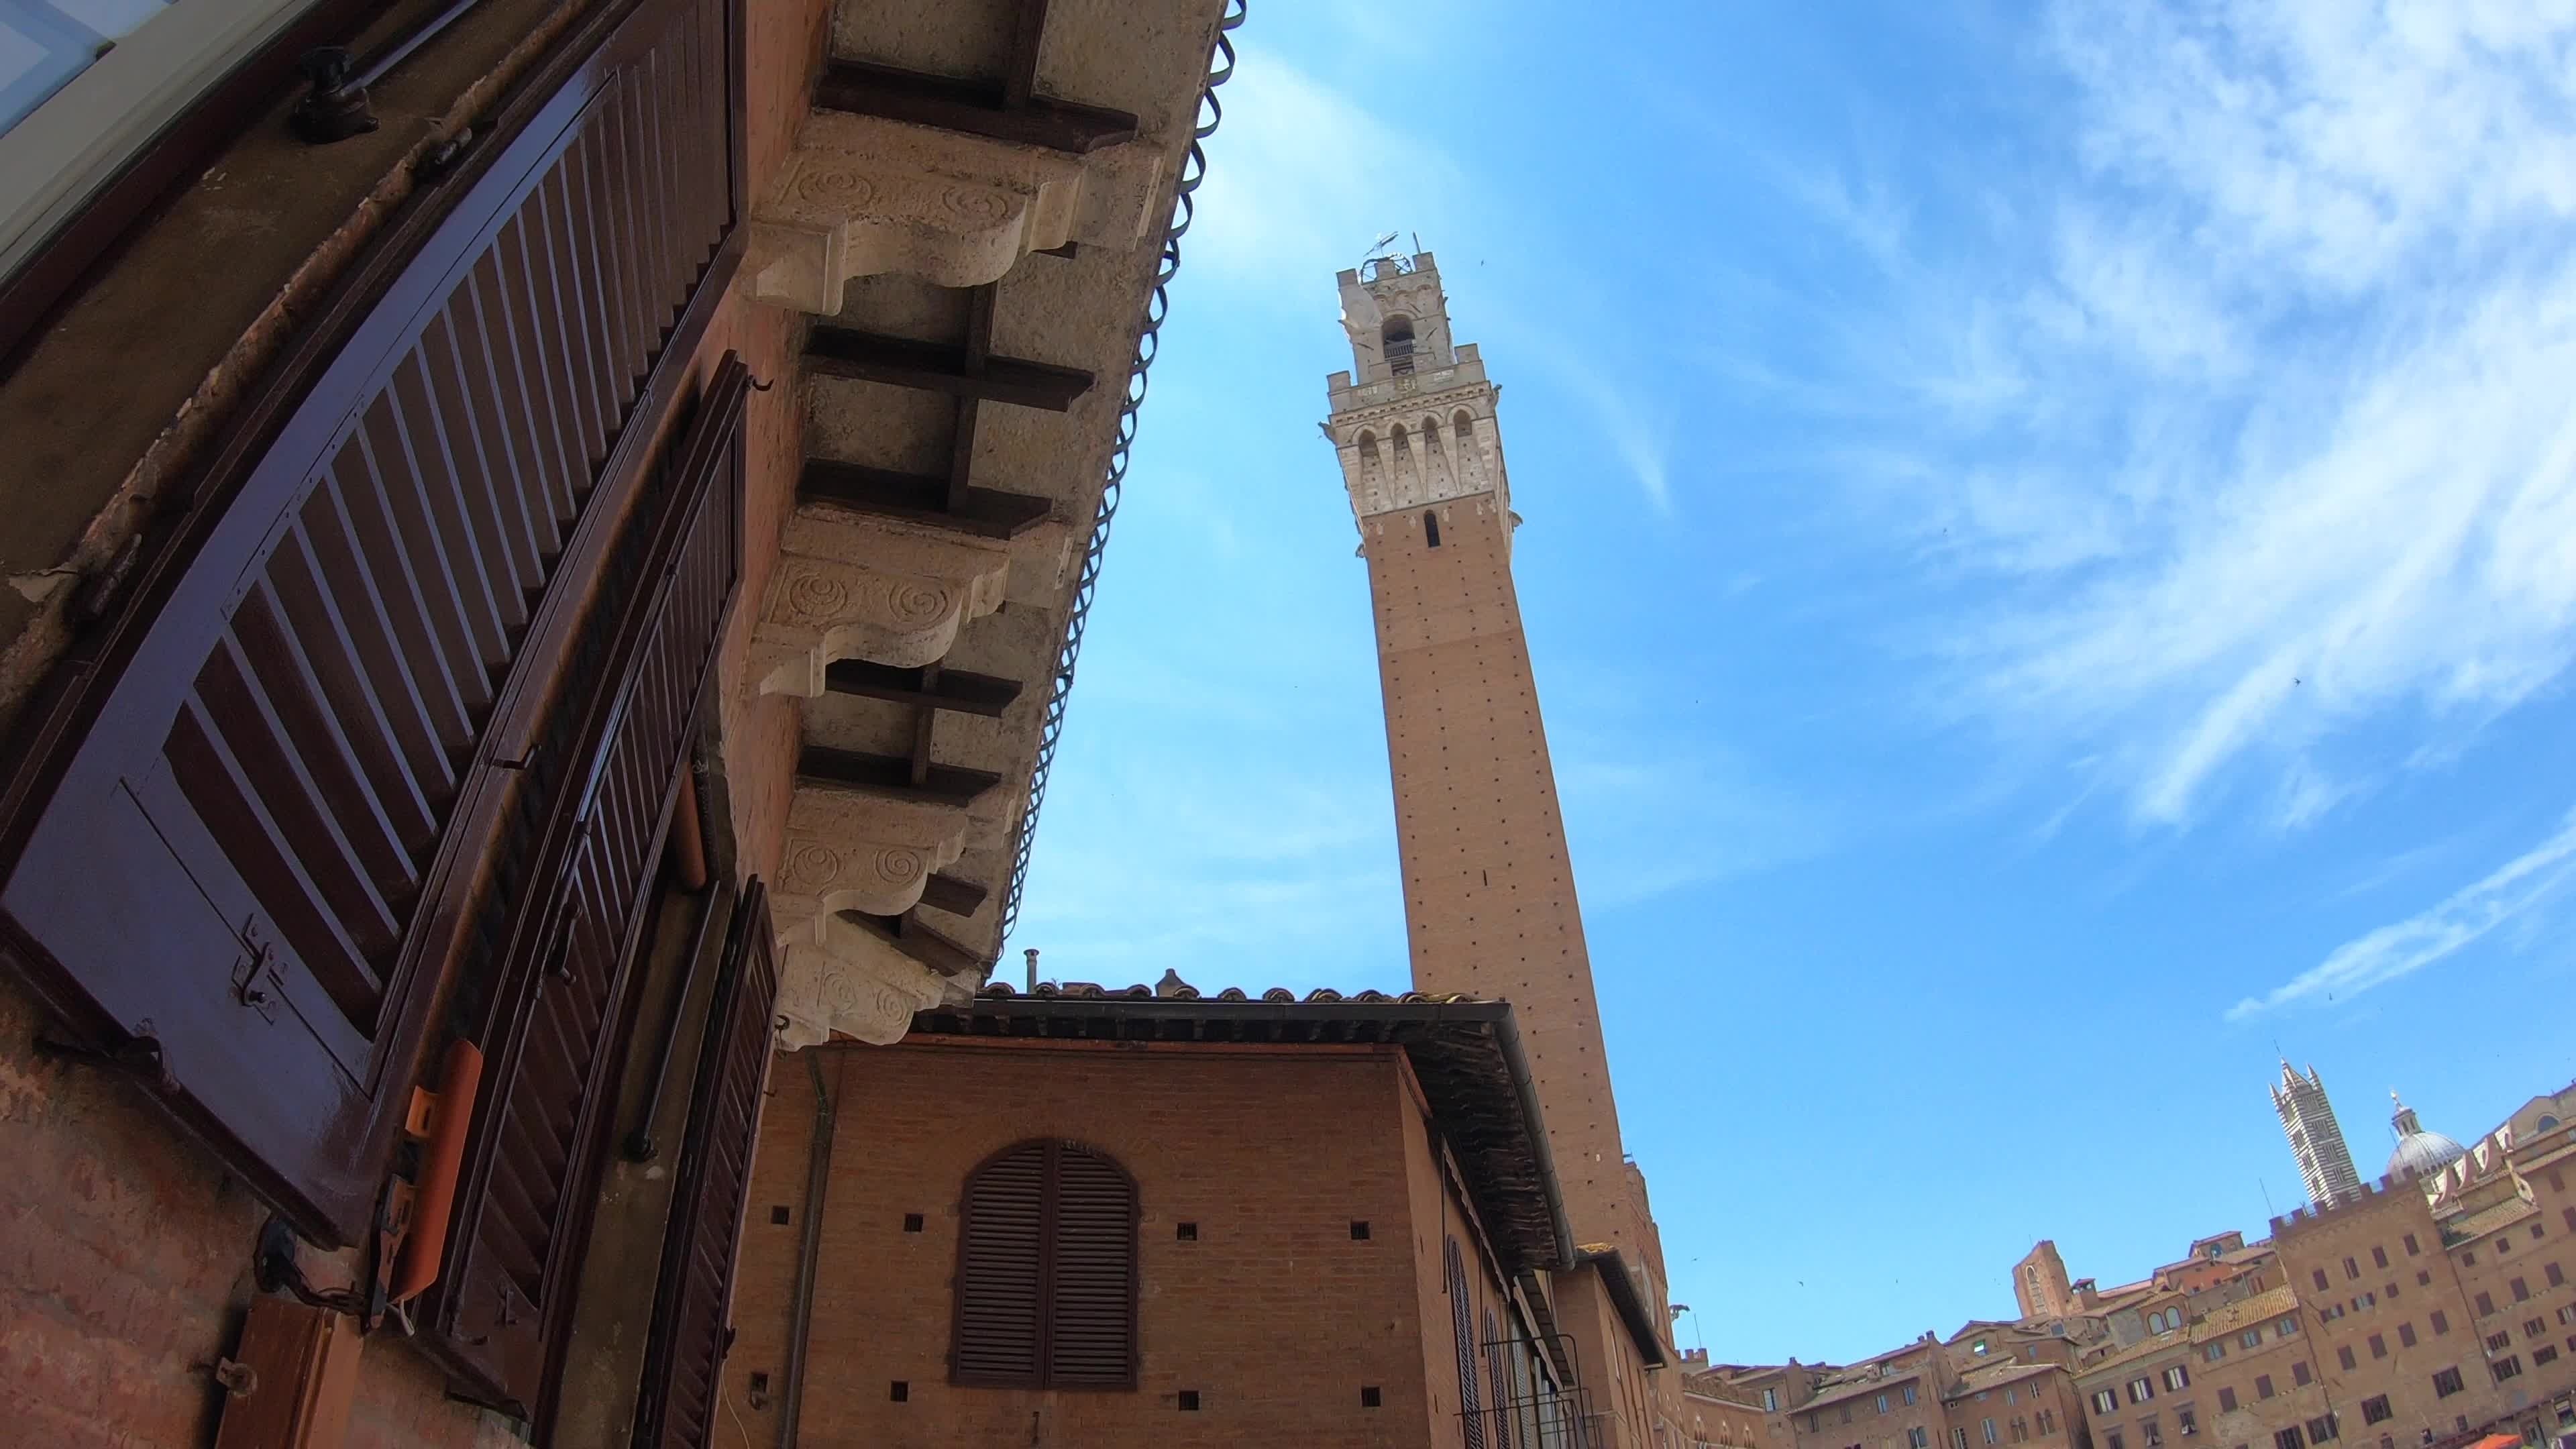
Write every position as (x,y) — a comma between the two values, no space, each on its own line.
(2411,1248)
(2447,1383)
(2106,1401)
(1077,1275)
(1918,1437)
(2227,1401)
(2250,1338)
(2299,1373)
(2406,1335)
(2289,1438)
(2521,1291)
(2441,1324)
(1771,1400)
(2423,1278)
(2262,1386)
(2150,1433)
(2141,1390)
(2177,1377)
(2322,1430)
(2286,1327)
(2378,1256)
(2504,1243)
(1846,1413)
(2351,1270)
(2506,1367)
(2047,1422)
(2376,1410)
(2320,1276)
(2378,1346)
(2344,1357)
(2556,1278)
(1989,1429)
(2388,1291)
(2213,1350)
(2547,1353)
(1909,1392)
(2186,1421)
(2499,1340)
(2468,1260)
(1882,1403)
(2111,1440)
(2535,1328)
(1978,1348)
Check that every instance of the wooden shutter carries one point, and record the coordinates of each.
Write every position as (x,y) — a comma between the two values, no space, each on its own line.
(547,1028)
(1462,1326)
(1046,1271)
(1091,1273)
(1000,1252)
(1498,1376)
(252,808)
(691,1303)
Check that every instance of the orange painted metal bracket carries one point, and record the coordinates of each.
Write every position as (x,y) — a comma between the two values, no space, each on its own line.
(437,1122)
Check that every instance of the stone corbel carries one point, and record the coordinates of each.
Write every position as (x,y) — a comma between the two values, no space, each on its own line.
(861,195)
(850,849)
(853,585)
(841,978)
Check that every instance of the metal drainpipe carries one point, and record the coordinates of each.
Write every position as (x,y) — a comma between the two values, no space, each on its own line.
(818,1173)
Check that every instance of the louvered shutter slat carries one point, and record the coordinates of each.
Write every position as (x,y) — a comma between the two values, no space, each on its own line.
(1091,1320)
(998,1273)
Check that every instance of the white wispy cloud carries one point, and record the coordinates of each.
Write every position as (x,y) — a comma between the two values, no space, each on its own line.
(2509,893)
(1302,178)
(2243,425)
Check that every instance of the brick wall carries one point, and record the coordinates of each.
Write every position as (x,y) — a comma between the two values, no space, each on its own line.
(1274,1314)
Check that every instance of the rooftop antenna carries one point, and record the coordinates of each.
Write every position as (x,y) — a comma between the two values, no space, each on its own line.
(1417,243)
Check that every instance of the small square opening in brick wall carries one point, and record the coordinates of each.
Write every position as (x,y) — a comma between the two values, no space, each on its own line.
(778,1214)
(1359,1230)
(1186,1232)
(912,1222)
(900,1392)
(1370,1398)
(1189,1401)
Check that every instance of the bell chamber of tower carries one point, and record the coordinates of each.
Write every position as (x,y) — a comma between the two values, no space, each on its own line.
(1414,420)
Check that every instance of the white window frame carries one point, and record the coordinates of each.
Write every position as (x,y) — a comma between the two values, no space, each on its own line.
(54,160)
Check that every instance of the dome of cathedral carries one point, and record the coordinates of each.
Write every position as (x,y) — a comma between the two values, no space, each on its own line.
(2420,1153)
(2423,1154)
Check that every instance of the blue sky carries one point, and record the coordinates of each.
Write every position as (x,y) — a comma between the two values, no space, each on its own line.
(2050,550)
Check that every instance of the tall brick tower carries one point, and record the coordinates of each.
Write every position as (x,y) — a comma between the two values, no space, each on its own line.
(1488,892)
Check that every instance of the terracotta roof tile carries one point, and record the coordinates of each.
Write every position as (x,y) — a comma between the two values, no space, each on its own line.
(2228,1317)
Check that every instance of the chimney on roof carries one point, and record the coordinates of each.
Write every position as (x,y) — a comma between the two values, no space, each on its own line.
(1032,955)
(1173,986)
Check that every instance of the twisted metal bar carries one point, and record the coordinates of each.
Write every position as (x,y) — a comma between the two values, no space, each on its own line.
(1148,343)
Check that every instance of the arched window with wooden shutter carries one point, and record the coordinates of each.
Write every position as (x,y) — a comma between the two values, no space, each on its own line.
(1046,1271)
(1462,1324)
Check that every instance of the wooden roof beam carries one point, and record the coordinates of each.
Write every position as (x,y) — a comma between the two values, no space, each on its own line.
(942,367)
(970,107)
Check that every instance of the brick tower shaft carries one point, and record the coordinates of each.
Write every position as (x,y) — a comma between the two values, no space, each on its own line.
(1489,892)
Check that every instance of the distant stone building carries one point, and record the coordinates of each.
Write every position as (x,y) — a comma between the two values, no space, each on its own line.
(2431,1307)
(2308,1119)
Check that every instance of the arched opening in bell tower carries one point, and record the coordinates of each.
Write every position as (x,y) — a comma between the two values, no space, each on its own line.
(1395,344)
